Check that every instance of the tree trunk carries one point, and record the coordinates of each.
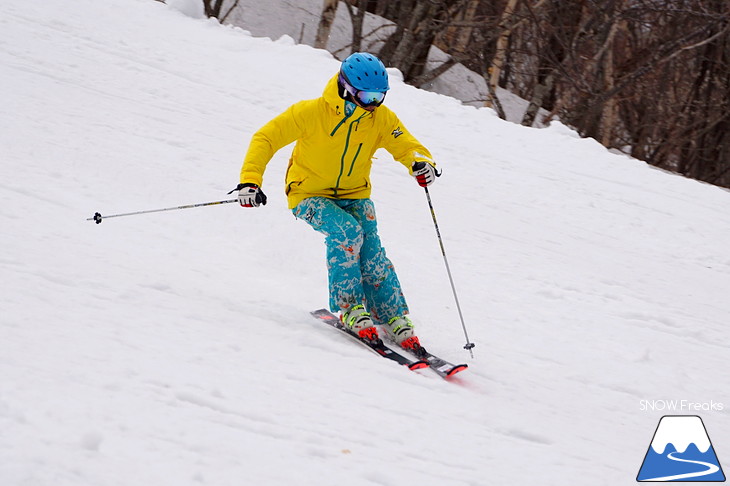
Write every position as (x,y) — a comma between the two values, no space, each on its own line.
(500,54)
(538,96)
(329,9)
(357,20)
(609,116)
(380,7)
(458,37)
(493,99)
(212,8)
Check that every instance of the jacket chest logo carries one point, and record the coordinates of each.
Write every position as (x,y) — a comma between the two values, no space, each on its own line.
(396,133)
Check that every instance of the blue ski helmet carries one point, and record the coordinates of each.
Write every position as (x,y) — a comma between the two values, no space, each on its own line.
(365,72)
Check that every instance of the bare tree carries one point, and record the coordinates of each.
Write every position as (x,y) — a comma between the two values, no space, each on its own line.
(651,77)
(418,22)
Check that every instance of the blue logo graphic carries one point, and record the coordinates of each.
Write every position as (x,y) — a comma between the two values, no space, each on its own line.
(681,451)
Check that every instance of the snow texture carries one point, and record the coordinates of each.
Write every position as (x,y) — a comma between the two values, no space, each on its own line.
(177,348)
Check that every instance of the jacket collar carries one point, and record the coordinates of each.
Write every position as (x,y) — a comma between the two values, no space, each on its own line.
(332,97)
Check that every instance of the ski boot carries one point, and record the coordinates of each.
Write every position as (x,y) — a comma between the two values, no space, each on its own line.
(400,330)
(358,321)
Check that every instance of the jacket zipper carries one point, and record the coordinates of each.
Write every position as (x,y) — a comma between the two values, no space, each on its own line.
(338,126)
(352,165)
(344,152)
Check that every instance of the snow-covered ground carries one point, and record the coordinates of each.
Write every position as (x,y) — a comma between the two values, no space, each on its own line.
(176,348)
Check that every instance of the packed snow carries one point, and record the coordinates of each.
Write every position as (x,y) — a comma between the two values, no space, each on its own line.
(177,349)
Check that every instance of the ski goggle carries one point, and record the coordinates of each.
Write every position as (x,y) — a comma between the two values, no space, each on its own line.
(363,98)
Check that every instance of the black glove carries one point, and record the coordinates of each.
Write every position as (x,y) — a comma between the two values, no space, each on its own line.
(424,173)
(250,195)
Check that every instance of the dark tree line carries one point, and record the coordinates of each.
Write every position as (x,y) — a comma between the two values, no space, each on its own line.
(648,77)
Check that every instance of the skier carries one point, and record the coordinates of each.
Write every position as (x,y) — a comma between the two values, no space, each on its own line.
(328,186)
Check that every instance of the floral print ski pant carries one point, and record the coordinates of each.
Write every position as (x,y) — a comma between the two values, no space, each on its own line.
(359,271)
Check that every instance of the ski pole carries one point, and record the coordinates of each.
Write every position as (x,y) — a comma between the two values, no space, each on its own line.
(98,217)
(469,345)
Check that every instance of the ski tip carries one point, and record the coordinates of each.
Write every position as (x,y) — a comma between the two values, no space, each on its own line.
(456,369)
(418,365)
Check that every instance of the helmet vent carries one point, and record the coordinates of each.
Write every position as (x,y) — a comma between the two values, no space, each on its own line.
(365,72)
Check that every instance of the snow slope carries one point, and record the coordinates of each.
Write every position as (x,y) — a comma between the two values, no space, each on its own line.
(176,348)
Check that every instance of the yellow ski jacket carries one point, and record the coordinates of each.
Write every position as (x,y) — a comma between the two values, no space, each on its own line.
(333,153)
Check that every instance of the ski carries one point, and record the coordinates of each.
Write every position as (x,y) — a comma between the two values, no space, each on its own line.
(375,345)
(442,367)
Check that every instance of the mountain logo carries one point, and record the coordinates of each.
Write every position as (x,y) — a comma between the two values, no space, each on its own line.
(681,451)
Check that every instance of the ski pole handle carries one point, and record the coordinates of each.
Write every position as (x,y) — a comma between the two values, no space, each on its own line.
(97,217)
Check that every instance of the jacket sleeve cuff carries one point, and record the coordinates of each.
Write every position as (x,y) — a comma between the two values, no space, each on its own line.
(248,178)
